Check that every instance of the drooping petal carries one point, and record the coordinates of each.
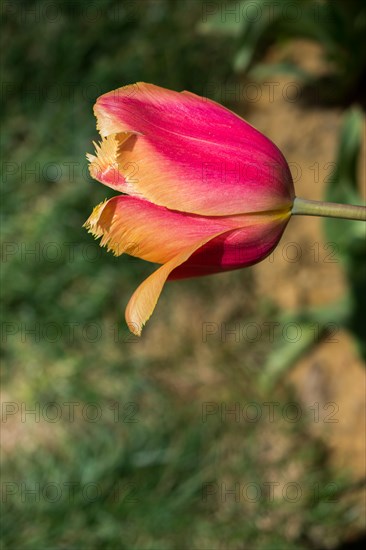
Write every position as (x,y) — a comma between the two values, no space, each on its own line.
(154,233)
(145,297)
(225,250)
(192,154)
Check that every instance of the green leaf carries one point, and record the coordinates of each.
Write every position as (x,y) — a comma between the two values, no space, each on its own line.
(342,185)
(350,235)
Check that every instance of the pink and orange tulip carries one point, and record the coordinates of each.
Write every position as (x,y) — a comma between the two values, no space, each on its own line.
(202,191)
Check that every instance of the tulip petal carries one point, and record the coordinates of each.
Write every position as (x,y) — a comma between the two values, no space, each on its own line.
(109,166)
(225,250)
(193,155)
(236,249)
(144,299)
(154,233)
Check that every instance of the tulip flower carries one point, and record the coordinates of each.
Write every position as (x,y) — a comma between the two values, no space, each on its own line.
(201,190)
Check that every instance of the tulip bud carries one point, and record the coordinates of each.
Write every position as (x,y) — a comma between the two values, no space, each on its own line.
(204,192)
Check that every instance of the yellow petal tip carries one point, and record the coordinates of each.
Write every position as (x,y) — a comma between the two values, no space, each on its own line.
(135,328)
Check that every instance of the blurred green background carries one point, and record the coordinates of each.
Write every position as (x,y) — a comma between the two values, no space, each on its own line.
(192,437)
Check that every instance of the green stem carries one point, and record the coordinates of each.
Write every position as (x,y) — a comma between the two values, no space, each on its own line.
(305,207)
